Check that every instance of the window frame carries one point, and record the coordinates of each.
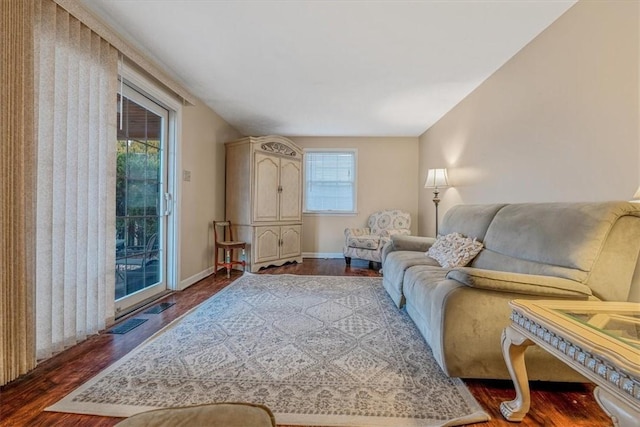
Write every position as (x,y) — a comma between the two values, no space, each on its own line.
(354,211)
(155,93)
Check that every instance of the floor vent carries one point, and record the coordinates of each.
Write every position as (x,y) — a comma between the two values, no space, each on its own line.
(159,308)
(126,326)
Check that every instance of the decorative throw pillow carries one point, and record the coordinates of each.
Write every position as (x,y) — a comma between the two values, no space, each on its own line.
(454,250)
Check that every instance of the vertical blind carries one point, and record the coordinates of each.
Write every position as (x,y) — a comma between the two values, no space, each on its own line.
(76,87)
(57,177)
(16,189)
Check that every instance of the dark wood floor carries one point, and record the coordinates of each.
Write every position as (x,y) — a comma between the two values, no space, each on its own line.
(23,401)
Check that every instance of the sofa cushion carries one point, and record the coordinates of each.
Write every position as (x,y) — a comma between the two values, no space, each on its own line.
(421,282)
(463,325)
(612,276)
(411,243)
(528,284)
(549,239)
(470,220)
(454,250)
(394,267)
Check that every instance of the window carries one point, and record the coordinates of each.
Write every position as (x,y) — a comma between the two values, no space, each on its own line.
(330,181)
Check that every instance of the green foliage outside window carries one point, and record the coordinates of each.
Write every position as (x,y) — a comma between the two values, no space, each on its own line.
(137,191)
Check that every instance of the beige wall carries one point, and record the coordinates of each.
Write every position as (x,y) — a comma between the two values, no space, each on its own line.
(387,171)
(558,122)
(202,199)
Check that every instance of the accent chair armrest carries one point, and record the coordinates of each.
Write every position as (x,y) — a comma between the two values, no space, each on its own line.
(527,284)
(364,231)
(393,231)
(401,242)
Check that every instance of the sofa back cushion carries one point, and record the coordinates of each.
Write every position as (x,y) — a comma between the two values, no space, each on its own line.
(469,220)
(617,264)
(554,239)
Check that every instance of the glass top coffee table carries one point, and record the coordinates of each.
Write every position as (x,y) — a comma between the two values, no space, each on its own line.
(600,340)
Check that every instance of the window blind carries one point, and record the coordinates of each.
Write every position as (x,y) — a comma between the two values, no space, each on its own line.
(330,179)
(17,185)
(76,86)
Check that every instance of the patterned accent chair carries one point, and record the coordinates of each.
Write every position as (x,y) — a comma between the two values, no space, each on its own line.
(367,243)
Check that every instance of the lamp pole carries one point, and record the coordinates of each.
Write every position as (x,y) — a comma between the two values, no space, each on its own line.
(436,178)
(436,200)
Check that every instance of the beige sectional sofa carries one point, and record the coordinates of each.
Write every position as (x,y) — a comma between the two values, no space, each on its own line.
(531,251)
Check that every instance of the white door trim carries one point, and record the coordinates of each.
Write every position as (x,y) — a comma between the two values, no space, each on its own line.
(174,145)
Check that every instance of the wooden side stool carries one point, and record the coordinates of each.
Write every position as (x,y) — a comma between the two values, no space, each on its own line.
(227,245)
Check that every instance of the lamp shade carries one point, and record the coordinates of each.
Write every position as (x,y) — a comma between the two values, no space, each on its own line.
(637,195)
(436,178)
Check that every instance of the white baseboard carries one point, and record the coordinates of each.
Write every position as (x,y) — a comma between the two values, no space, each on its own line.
(195,278)
(322,255)
(209,271)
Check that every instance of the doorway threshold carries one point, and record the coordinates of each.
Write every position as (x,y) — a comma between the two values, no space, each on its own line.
(142,305)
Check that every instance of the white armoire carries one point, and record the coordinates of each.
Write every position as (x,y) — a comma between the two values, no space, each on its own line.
(264,198)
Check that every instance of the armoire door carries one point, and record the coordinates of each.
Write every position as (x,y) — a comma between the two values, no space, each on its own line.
(290,241)
(266,244)
(265,191)
(290,193)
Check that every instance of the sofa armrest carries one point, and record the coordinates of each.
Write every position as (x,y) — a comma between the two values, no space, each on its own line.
(401,242)
(528,284)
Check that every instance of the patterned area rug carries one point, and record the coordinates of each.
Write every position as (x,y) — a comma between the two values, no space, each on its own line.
(317,350)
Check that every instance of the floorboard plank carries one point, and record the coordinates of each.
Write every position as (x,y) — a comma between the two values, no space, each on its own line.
(22,402)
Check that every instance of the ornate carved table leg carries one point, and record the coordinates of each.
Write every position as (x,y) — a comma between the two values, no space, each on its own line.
(514,345)
(621,413)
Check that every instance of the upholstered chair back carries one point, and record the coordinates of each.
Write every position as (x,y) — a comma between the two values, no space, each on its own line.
(385,223)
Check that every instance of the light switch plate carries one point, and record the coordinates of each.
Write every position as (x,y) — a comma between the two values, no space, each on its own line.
(186,175)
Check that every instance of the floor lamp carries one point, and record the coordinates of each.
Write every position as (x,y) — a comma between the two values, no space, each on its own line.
(436,178)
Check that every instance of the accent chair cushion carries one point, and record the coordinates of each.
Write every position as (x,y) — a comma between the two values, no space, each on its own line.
(454,250)
(364,242)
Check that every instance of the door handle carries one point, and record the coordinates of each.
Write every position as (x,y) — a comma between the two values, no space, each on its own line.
(168,204)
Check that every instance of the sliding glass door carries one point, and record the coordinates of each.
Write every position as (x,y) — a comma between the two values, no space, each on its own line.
(142,200)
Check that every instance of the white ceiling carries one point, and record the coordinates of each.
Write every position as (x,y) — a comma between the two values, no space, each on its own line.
(330,68)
